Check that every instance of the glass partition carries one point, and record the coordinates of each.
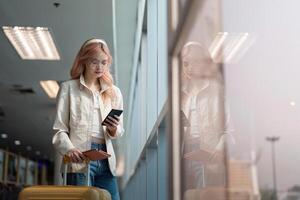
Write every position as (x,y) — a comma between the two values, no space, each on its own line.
(235,71)
(2,161)
(31,177)
(201,101)
(12,168)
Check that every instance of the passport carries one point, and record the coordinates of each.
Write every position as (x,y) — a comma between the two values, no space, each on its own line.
(94,154)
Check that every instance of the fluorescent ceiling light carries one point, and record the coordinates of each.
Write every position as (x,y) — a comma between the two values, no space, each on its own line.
(229,47)
(216,45)
(17,142)
(50,87)
(235,46)
(32,43)
(4,136)
(29,148)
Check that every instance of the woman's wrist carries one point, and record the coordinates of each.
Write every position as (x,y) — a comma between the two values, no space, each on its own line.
(112,132)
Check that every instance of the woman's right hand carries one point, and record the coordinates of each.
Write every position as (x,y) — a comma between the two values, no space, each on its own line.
(76,156)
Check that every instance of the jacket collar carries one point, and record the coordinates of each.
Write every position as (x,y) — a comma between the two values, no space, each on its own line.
(104,86)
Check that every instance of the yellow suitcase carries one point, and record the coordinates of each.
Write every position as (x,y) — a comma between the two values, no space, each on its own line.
(64,192)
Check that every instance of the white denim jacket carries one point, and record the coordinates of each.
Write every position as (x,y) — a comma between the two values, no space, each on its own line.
(74,117)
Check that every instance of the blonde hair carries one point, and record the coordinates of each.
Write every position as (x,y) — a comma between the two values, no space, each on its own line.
(88,49)
(193,50)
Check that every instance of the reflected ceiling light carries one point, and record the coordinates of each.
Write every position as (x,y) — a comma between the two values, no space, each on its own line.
(38,153)
(292,103)
(32,43)
(50,87)
(4,136)
(235,46)
(216,45)
(29,148)
(229,47)
(17,142)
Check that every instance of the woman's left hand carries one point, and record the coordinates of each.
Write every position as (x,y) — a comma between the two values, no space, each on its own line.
(111,123)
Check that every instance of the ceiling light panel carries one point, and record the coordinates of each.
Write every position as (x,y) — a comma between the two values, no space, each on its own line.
(32,43)
(50,87)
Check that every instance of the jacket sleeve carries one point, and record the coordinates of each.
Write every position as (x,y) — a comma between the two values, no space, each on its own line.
(119,105)
(61,140)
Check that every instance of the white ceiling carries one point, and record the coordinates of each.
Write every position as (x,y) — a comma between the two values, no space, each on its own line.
(29,117)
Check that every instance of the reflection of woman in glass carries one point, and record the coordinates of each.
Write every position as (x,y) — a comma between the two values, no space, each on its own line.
(83,103)
(202,101)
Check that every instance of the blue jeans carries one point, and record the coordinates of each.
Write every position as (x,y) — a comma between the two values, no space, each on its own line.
(100,175)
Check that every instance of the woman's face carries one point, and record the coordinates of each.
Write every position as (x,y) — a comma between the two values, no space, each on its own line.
(197,66)
(96,65)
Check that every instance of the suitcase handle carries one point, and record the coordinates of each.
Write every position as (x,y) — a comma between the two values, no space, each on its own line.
(66,161)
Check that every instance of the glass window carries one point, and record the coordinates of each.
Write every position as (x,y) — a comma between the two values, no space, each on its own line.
(262,84)
(12,168)
(202,112)
(2,153)
(31,173)
(238,83)
(22,170)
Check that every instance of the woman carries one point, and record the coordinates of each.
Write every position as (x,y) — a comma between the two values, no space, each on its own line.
(82,104)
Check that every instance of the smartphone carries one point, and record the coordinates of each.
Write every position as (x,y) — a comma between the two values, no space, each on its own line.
(112,113)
